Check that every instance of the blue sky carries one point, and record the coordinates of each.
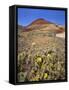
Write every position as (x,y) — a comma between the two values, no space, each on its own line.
(26,16)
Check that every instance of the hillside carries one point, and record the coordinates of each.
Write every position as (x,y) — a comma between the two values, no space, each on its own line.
(41,52)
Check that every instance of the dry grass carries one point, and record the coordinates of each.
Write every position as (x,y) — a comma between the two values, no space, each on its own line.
(41,58)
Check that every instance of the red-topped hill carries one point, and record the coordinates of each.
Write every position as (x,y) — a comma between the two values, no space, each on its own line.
(42,24)
(40,21)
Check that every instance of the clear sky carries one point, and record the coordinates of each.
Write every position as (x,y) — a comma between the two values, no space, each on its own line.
(26,16)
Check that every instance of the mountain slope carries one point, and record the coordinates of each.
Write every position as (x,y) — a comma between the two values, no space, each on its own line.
(41,24)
